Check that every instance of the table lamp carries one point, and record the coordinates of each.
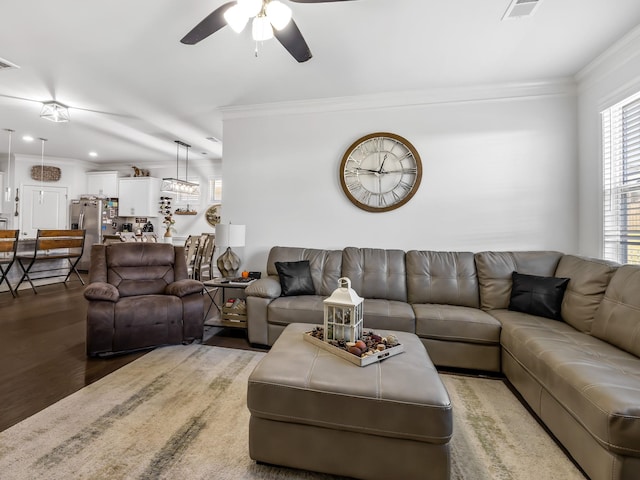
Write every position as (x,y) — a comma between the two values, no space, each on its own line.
(232,236)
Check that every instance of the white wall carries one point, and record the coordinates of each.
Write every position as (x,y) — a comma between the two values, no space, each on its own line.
(500,167)
(608,80)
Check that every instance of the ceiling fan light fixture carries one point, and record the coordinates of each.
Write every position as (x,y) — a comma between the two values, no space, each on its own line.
(278,14)
(251,8)
(261,29)
(236,18)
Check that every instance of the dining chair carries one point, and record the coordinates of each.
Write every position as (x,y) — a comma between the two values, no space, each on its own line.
(204,256)
(190,250)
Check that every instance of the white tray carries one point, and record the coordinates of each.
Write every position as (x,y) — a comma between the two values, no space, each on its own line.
(360,361)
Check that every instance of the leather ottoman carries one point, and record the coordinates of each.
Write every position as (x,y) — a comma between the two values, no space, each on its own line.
(313,410)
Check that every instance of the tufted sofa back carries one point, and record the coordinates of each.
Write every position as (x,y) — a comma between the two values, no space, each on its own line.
(324,265)
(447,278)
(617,319)
(138,268)
(495,269)
(376,273)
(590,278)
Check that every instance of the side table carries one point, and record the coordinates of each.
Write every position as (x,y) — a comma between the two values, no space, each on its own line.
(230,317)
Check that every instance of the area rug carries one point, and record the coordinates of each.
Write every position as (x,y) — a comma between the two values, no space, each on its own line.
(180,413)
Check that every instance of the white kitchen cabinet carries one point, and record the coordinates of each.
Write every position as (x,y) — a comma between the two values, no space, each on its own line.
(104,184)
(2,191)
(138,197)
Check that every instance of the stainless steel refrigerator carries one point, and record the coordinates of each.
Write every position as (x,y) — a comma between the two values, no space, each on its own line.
(98,217)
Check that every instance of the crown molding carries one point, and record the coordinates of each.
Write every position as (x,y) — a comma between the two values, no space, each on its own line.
(621,52)
(434,96)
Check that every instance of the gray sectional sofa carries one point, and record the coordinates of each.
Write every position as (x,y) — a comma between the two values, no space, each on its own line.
(580,375)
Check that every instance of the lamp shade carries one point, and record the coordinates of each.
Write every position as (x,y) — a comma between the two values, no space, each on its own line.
(261,29)
(230,235)
(236,18)
(278,14)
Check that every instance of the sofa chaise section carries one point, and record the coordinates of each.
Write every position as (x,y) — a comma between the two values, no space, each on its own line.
(576,377)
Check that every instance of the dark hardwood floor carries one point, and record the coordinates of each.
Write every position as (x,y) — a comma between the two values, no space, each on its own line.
(42,349)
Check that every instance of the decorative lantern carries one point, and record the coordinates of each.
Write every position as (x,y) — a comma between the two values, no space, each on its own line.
(343,314)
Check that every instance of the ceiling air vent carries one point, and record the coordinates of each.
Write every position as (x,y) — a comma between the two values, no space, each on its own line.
(521,8)
(4,64)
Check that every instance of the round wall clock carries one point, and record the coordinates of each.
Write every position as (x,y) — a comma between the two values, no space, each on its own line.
(380,172)
(213,215)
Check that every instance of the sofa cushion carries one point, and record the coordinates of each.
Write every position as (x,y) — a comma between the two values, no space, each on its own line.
(617,321)
(388,315)
(495,269)
(325,265)
(537,295)
(148,320)
(456,324)
(442,277)
(295,278)
(302,309)
(589,280)
(597,383)
(139,254)
(376,273)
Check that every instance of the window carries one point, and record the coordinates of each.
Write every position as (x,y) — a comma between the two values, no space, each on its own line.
(621,181)
(215,190)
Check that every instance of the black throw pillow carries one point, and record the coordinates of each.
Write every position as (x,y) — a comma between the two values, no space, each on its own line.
(541,296)
(295,278)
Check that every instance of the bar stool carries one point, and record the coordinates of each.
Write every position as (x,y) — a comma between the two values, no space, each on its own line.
(8,250)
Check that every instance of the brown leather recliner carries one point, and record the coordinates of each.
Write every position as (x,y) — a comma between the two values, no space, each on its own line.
(139,297)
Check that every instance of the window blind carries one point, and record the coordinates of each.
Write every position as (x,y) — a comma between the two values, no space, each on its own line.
(621,181)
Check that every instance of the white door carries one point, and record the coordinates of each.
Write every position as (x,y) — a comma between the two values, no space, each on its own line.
(42,207)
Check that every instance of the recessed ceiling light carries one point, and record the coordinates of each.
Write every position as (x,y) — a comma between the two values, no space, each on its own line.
(27,138)
(93,154)
(214,139)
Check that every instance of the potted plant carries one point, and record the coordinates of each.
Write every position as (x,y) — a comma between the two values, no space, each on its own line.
(168,224)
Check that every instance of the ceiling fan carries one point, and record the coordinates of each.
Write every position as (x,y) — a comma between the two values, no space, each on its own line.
(270,18)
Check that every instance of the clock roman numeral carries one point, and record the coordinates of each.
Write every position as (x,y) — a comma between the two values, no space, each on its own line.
(407,186)
(405,156)
(365,196)
(354,188)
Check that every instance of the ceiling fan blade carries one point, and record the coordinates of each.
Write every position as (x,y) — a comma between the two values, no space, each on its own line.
(291,38)
(211,24)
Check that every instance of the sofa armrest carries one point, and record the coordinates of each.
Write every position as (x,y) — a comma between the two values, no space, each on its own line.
(184,287)
(268,287)
(259,295)
(101,291)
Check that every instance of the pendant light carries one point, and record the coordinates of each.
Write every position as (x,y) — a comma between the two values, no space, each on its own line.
(41,199)
(175,185)
(7,191)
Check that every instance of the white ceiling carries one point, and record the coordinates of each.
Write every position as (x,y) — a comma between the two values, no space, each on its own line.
(133,88)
